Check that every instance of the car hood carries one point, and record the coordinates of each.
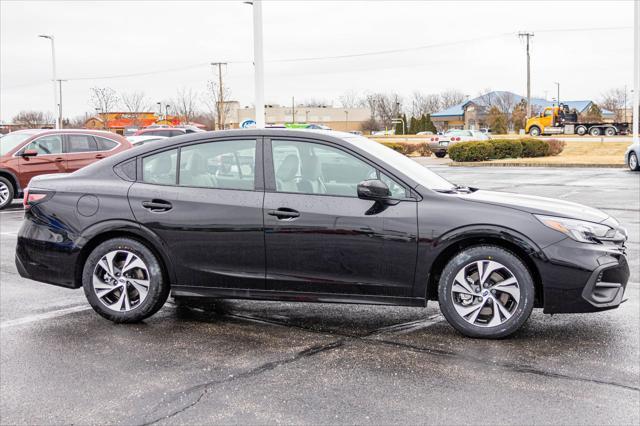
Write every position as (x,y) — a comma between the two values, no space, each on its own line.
(538,205)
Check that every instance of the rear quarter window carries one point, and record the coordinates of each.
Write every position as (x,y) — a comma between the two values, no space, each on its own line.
(105,144)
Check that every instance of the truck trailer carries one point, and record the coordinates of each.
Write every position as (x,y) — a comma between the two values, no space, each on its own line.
(560,120)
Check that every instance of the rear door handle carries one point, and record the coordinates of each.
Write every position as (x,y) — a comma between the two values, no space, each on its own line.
(284,213)
(99,156)
(59,160)
(157,205)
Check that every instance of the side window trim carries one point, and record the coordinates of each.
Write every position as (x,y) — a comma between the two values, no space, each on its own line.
(270,176)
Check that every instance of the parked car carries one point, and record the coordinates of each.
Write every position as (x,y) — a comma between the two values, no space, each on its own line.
(631,157)
(315,217)
(439,145)
(143,139)
(28,153)
(425,133)
(164,131)
(355,132)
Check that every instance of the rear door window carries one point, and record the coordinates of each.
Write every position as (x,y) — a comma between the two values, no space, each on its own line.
(221,164)
(105,144)
(81,143)
(160,168)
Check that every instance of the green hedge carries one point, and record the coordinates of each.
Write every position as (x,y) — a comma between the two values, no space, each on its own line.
(471,151)
(534,147)
(505,148)
(421,149)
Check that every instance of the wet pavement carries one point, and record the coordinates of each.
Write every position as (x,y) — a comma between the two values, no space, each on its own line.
(268,362)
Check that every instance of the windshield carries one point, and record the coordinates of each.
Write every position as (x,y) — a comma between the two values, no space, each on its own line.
(420,174)
(12,140)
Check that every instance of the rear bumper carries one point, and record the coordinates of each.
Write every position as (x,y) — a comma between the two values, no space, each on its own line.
(45,256)
(579,277)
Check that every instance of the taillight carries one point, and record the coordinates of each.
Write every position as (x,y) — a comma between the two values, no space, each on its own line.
(431,139)
(437,139)
(31,198)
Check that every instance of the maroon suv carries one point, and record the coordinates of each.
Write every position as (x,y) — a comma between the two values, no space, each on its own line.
(28,153)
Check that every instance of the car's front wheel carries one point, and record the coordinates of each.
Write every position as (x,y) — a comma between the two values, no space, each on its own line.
(6,193)
(633,162)
(123,281)
(486,291)
(441,154)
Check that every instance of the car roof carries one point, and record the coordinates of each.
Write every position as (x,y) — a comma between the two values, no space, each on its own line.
(54,131)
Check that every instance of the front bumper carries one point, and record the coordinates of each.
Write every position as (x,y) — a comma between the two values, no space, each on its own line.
(578,277)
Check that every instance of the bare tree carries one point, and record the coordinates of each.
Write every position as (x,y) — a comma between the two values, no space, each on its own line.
(135,102)
(385,107)
(104,99)
(185,104)
(451,97)
(33,119)
(422,104)
(217,102)
(614,101)
(314,103)
(76,122)
(351,99)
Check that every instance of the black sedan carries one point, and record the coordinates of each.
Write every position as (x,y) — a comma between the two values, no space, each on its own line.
(317,217)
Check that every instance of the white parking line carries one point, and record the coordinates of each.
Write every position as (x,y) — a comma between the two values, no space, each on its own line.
(45,316)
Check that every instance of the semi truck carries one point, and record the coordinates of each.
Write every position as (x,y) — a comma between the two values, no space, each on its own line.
(560,120)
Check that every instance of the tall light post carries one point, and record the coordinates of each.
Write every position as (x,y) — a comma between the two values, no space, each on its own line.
(346,121)
(636,71)
(558,86)
(258,62)
(54,80)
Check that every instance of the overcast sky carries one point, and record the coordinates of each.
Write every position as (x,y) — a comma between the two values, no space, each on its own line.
(587,46)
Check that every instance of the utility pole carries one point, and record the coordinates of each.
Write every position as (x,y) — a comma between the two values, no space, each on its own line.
(558,86)
(220,95)
(528,36)
(60,105)
(293,109)
(346,121)
(258,63)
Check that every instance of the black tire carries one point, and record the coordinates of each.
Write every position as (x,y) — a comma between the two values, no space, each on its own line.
(6,197)
(632,162)
(158,290)
(441,154)
(581,130)
(610,131)
(520,313)
(595,131)
(534,131)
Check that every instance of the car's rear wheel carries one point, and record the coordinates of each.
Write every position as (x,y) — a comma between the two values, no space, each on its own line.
(123,281)
(633,162)
(486,291)
(441,154)
(6,193)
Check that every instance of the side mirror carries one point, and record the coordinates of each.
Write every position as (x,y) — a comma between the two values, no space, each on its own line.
(373,189)
(29,153)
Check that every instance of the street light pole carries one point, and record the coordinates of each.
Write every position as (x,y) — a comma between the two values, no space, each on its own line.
(60,105)
(346,121)
(636,71)
(55,89)
(558,85)
(528,36)
(258,62)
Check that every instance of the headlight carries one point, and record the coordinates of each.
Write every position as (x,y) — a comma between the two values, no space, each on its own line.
(579,230)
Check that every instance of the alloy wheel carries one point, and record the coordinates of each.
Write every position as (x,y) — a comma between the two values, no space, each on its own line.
(4,193)
(121,280)
(633,164)
(485,293)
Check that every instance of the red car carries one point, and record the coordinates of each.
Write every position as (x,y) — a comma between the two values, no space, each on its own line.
(28,153)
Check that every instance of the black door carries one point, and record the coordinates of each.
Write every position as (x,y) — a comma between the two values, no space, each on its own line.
(208,211)
(320,237)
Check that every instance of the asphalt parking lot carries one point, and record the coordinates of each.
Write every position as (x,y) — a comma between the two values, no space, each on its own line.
(259,362)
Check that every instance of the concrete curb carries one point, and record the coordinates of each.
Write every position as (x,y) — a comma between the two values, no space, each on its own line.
(559,165)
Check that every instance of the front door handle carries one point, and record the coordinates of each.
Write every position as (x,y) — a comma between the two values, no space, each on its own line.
(99,156)
(157,205)
(284,213)
(59,160)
